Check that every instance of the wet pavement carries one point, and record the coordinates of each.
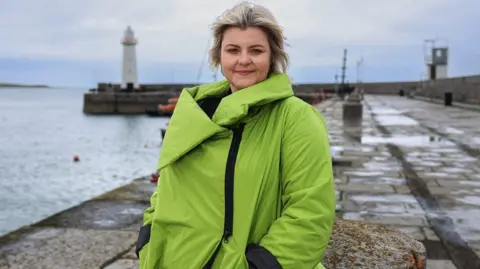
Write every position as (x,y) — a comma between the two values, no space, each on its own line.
(456,124)
(412,172)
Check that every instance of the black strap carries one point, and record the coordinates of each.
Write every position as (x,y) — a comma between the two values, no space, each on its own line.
(143,238)
(259,257)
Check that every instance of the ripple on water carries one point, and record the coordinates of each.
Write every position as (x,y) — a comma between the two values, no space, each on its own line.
(43,130)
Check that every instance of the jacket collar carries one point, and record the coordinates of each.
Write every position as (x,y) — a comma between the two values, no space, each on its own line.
(190,126)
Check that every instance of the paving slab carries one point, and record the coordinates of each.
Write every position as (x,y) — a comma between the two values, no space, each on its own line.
(58,248)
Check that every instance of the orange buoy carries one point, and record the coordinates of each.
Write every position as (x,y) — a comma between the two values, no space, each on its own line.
(76,158)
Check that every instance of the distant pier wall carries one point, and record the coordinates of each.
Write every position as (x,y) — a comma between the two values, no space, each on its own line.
(464,89)
(107,98)
(123,103)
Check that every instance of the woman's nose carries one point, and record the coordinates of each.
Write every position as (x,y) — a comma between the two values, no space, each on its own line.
(244,58)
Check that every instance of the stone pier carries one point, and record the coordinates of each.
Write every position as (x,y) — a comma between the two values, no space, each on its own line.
(413,167)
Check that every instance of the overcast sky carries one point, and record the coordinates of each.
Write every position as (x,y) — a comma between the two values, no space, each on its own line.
(77,43)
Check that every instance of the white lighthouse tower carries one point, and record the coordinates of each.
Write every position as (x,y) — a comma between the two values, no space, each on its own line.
(129,72)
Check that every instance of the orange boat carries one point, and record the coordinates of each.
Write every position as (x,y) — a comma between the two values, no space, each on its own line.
(165,110)
(170,107)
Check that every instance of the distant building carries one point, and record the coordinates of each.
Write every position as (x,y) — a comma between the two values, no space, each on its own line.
(129,70)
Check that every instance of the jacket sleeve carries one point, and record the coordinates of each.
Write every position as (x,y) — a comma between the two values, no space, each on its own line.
(144,234)
(299,237)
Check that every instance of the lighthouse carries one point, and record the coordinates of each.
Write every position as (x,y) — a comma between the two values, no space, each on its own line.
(129,70)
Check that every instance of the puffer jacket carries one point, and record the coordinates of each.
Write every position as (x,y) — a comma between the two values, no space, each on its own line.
(247,184)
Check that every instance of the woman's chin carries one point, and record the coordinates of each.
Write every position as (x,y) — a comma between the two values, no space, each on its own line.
(244,83)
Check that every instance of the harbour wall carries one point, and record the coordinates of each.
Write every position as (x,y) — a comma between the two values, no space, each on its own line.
(107,98)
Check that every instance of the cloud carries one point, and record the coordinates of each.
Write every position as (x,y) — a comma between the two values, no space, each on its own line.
(177,31)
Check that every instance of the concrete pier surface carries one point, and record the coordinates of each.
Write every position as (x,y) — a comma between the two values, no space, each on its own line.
(411,165)
(417,172)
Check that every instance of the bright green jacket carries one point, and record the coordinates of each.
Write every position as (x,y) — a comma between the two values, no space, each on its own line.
(254,183)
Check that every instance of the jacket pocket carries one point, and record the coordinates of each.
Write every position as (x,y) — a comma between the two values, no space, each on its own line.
(259,257)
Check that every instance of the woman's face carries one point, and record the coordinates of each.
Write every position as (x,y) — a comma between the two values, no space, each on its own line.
(245,57)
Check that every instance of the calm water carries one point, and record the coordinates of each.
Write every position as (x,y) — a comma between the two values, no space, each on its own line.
(40,132)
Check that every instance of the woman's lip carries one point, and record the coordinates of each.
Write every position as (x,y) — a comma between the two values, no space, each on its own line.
(244,72)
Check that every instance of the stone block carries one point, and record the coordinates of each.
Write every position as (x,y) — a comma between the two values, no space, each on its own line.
(362,245)
(352,113)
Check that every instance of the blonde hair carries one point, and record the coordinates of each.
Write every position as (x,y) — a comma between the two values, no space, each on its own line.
(246,15)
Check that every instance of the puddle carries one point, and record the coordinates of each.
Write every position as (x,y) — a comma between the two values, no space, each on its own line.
(364,173)
(446,150)
(389,120)
(354,148)
(375,207)
(105,223)
(450,130)
(384,198)
(429,164)
(378,180)
(466,192)
(466,222)
(455,170)
(423,154)
(475,177)
(378,166)
(385,110)
(407,141)
(132,211)
(440,175)
(404,219)
(470,200)
(462,158)
(393,208)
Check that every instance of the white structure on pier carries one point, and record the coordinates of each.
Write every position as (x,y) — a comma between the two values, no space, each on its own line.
(129,73)
(436,60)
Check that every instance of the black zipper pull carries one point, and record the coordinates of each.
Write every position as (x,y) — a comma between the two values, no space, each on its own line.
(226,235)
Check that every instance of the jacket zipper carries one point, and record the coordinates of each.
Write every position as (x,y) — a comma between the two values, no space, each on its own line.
(229,190)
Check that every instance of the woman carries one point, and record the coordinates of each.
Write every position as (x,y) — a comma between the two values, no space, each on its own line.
(246,175)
